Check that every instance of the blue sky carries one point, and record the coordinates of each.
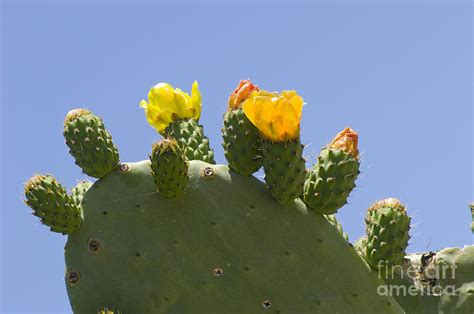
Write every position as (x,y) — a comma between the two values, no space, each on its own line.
(398,72)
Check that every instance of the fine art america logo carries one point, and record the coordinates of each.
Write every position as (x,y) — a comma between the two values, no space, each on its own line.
(418,280)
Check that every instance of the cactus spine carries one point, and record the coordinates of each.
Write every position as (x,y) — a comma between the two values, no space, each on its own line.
(241,141)
(90,143)
(51,203)
(332,178)
(387,228)
(169,168)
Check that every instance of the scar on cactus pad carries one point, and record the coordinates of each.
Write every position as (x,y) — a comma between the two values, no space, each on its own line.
(176,233)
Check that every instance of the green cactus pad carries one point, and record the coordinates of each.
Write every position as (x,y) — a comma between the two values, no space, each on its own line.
(458,264)
(190,136)
(241,143)
(330,181)
(169,168)
(387,228)
(284,168)
(462,302)
(224,246)
(90,143)
(77,192)
(51,203)
(333,221)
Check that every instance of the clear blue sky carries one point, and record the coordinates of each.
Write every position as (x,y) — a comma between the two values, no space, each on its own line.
(398,72)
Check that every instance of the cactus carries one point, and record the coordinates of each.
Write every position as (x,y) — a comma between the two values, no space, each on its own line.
(178,234)
(51,203)
(387,233)
(90,143)
(277,117)
(462,302)
(330,181)
(210,252)
(333,221)
(175,114)
(169,168)
(241,141)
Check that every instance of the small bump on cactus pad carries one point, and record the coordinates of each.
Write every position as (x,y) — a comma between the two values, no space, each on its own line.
(284,168)
(51,203)
(190,136)
(241,143)
(90,143)
(387,228)
(169,168)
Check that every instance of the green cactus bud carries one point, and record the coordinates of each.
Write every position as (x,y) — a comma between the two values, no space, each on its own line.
(387,228)
(284,168)
(333,221)
(77,192)
(190,136)
(90,143)
(331,180)
(461,302)
(241,143)
(51,203)
(169,168)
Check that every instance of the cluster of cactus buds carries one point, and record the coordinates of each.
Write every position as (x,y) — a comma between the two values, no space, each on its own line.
(177,233)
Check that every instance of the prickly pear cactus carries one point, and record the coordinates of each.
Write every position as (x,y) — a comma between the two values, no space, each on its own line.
(178,234)
(223,246)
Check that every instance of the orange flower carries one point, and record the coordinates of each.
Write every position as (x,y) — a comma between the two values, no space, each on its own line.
(242,92)
(346,140)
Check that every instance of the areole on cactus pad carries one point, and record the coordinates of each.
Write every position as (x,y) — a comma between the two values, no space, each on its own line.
(179,234)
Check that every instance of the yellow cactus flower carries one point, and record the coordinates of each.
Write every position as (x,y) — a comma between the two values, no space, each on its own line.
(167,104)
(346,140)
(276,115)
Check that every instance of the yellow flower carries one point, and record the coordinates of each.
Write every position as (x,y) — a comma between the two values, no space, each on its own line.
(166,104)
(346,140)
(277,116)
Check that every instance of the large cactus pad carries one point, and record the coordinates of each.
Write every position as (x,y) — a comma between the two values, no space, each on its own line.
(224,246)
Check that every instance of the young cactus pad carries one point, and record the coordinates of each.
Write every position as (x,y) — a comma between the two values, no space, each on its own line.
(387,227)
(51,203)
(277,117)
(223,246)
(241,141)
(332,178)
(169,168)
(175,114)
(90,143)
